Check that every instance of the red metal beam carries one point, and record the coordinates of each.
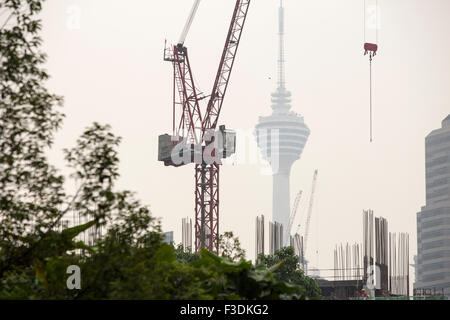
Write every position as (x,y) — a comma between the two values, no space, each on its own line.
(191,118)
(226,65)
(207,207)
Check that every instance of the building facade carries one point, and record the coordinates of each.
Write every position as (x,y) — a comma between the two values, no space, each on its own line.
(433,221)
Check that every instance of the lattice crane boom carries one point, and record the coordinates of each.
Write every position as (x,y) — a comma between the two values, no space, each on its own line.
(294,210)
(226,65)
(311,203)
(187,123)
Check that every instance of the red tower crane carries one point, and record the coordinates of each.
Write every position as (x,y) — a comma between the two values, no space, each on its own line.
(194,138)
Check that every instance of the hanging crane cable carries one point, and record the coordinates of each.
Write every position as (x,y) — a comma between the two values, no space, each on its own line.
(371,48)
(371,101)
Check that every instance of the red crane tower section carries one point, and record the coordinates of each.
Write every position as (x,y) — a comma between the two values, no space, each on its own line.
(194,133)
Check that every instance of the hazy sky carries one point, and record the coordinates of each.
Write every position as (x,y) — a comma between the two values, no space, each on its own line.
(105,58)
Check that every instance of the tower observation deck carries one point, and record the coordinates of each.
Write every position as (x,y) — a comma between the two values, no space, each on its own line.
(281,138)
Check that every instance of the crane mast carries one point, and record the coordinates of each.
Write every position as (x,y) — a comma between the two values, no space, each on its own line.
(195,131)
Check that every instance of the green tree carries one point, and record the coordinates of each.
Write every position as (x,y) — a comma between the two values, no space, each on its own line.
(33,201)
(185,256)
(128,259)
(230,247)
(290,272)
(241,280)
(31,190)
(128,227)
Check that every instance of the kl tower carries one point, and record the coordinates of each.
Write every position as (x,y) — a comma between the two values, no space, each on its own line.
(281,138)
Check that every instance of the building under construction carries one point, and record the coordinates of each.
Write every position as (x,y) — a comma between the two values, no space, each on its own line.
(380,265)
(275,241)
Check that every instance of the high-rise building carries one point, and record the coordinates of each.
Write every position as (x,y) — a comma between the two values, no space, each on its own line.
(186,234)
(281,138)
(433,221)
(168,237)
(260,237)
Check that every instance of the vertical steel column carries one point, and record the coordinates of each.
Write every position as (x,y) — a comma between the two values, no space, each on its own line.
(207,207)
(259,237)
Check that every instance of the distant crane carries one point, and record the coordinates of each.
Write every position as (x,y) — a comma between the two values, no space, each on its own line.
(311,202)
(194,132)
(308,218)
(294,210)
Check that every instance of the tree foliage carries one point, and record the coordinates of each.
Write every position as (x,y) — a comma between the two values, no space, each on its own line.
(127,259)
(290,272)
(230,247)
(185,256)
(30,188)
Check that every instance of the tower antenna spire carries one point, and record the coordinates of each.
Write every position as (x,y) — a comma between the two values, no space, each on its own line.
(281,58)
(281,138)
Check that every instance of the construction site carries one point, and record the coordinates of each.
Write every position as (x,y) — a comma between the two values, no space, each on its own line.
(374,262)
(379,265)
(224,158)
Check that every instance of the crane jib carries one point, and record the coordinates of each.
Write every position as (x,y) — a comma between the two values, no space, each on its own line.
(191,124)
(226,65)
(189,21)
